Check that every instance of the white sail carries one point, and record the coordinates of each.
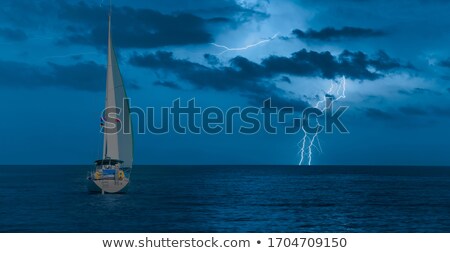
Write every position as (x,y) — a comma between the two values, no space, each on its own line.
(118,145)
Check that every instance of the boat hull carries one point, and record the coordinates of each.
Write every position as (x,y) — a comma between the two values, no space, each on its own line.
(108,186)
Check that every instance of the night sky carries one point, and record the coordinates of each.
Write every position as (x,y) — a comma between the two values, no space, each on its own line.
(394,54)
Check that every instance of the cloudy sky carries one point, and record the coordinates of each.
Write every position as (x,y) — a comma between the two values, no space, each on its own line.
(394,54)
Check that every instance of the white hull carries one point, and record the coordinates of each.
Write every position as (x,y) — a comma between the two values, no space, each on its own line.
(108,186)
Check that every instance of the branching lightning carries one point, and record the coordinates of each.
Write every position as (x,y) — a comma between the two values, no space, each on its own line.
(227,49)
(311,140)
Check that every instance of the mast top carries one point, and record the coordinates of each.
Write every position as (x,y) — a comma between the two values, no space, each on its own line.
(109,21)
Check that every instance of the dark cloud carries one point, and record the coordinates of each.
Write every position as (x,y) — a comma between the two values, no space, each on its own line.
(256,80)
(445,63)
(354,65)
(132,28)
(242,75)
(378,114)
(220,78)
(27,14)
(219,20)
(237,14)
(285,79)
(88,76)
(29,74)
(167,84)
(419,91)
(131,84)
(278,99)
(330,33)
(408,111)
(412,111)
(211,59)
(13,34)
(382,62)
(213,10)
(441,111)
(136,24)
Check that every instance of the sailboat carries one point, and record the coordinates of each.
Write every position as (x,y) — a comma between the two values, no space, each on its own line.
(111,174)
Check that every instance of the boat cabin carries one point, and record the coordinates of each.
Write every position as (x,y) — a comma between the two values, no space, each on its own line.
(108,163)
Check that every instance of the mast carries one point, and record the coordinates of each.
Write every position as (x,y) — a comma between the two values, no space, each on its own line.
(105,142)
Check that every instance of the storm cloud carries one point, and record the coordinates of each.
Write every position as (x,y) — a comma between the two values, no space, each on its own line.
(445,63)
(330,33)
(419,91)
(167,84)
(378,114)
(257,80)
(133,28)
(13,34)
(242,75)
(87,76)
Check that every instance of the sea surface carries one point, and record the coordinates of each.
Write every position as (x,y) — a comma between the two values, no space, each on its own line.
(229,199)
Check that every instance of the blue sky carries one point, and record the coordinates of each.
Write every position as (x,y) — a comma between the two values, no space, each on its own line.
(394,54)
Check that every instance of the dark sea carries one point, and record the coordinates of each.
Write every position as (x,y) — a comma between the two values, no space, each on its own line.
(229,199)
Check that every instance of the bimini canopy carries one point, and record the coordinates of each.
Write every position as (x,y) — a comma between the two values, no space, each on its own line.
(108,162)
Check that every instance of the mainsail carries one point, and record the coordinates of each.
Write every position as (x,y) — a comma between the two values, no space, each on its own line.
(118,145)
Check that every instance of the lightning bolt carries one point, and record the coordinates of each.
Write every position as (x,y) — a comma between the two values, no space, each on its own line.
(227,49)
(308,142)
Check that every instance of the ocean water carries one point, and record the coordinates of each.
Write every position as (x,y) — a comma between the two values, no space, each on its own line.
(229,199)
